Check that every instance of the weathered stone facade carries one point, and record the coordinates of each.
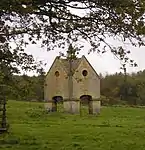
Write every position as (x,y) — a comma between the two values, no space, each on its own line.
(84,81)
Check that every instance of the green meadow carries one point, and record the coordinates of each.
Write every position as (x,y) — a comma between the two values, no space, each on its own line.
(31,128)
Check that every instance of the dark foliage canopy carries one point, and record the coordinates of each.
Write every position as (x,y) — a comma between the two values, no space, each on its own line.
(56,23)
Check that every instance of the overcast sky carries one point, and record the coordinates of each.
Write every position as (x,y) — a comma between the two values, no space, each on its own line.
(104,63)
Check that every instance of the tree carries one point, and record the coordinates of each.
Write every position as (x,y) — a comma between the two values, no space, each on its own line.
(117,91)
(11,61)
(12,58)
(55,23)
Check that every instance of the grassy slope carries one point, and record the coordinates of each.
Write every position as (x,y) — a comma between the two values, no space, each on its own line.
(31,129)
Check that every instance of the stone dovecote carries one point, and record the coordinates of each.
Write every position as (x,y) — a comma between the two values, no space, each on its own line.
(84,82)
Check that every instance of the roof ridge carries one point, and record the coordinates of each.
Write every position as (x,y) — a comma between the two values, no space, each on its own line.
(75,64)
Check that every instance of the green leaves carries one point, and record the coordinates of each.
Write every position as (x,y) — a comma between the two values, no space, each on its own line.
(57,24)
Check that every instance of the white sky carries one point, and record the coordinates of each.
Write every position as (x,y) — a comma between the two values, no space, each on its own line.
(104,63)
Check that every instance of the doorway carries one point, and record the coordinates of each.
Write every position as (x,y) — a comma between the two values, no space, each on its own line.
(86,104)
(57,104)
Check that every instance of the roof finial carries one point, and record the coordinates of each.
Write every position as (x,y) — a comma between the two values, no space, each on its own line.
(71,52)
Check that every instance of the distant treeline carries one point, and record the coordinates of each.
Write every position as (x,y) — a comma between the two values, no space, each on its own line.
(115,89)
(26,88)
(121,89)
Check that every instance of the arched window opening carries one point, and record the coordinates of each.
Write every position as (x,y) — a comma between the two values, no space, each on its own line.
(57,103)
(86,103)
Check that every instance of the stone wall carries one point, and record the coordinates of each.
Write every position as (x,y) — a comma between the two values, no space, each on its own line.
(86,85)
(56,85)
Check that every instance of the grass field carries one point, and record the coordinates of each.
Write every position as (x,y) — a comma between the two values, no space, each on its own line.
(31,128)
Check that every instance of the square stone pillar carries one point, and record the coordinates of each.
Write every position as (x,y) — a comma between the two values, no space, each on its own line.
(75,106)
(71,106)
(90,107)
(67,105)
(48,106)
(96,105)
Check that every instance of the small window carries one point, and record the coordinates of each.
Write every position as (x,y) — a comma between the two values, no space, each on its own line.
(56,73)
(85,72)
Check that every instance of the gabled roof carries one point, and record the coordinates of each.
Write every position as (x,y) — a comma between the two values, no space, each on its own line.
(91,66)
(52,65)
(65,64)
(75,64)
